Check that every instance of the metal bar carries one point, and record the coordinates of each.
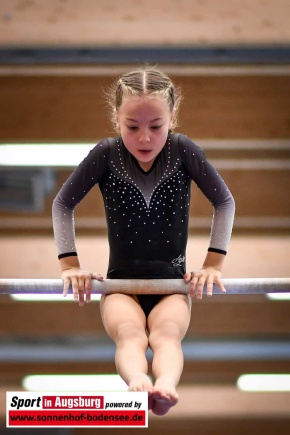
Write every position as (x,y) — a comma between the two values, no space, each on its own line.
(235,286)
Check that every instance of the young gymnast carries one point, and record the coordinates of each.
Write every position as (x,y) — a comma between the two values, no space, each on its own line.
(145,175)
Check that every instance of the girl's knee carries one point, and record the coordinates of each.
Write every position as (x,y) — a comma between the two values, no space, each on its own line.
(167,332)
(128,332)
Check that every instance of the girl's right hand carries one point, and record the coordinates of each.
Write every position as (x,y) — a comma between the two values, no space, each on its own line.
(80,280)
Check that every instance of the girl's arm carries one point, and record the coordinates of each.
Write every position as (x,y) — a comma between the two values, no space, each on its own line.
(216,191)
(87,174)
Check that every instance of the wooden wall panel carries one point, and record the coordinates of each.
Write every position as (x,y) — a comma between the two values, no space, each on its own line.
(53,109)
(208,319)
(194,372)
(41,107)
(72,108)
(207,426)
(236,107)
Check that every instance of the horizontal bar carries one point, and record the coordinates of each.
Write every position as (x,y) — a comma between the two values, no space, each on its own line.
(146,286)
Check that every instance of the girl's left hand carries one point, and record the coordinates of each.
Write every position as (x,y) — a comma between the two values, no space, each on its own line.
(203,277)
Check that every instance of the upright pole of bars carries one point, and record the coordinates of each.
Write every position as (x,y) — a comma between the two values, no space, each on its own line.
(235,286)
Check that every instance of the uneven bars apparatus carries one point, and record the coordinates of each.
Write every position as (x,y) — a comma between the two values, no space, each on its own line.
(235,286)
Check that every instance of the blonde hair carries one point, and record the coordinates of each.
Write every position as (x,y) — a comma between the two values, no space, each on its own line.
(144,81)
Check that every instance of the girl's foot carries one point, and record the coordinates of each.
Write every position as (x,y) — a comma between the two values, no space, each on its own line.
(142,383)
(164,396)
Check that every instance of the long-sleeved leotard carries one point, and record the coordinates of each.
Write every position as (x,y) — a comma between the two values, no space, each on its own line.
(147,212)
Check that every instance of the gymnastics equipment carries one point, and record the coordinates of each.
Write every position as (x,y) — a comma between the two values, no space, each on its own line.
(236,286)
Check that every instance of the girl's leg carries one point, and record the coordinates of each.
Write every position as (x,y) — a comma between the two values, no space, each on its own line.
(125,322)
(167,325)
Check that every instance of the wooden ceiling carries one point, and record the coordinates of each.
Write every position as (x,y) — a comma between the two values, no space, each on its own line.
(141,22)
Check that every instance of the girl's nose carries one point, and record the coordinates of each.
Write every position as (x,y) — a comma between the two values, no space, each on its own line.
(144,137)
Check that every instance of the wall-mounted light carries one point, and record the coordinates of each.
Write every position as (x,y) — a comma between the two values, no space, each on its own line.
(278,296)
(43,155)
(50,298)
(264,382)
(53,383)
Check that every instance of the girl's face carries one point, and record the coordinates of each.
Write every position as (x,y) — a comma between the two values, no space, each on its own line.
(144,123)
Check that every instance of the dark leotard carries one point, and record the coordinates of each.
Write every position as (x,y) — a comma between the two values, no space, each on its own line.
(147,212)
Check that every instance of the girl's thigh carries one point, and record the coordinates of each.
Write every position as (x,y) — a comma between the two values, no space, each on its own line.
(119,312)
(171,313)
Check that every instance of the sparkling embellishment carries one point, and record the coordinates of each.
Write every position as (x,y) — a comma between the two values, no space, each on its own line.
(142,204)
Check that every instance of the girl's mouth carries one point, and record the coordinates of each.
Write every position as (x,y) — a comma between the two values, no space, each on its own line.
(144,152)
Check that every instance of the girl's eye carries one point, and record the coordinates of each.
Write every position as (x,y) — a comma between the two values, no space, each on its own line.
(155,127)
(132,127)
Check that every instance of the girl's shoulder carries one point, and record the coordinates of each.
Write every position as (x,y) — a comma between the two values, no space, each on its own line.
(104,147)
(185,145)
(106,143)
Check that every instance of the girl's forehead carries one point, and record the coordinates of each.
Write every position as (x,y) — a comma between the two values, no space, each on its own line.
(154,103)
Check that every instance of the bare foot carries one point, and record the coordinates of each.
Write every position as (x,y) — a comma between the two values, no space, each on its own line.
(164,396)
(142,383)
